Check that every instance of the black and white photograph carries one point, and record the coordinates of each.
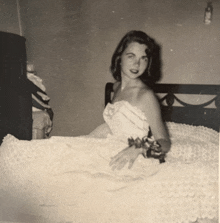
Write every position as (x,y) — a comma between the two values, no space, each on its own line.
(109,111)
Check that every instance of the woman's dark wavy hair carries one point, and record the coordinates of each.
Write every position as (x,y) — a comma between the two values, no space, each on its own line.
(142,38)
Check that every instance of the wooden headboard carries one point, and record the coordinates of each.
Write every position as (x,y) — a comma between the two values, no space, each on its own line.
(191,114)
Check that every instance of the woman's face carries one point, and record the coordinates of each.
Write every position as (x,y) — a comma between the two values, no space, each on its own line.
(134,60)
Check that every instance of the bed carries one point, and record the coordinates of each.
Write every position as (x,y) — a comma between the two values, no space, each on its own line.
(85,195)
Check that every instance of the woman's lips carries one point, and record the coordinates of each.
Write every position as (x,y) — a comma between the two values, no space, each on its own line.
(134,71)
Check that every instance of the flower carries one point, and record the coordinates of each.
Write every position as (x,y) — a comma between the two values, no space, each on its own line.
(151,146)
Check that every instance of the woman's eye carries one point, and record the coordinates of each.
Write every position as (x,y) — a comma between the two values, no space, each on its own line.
(130,56)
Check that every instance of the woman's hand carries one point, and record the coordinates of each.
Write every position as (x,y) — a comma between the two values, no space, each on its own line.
(127,155)
(160,152)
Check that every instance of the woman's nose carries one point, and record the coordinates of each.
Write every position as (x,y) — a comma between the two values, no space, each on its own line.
(137,62)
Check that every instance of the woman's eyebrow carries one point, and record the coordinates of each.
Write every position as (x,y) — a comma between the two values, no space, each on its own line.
(144,56)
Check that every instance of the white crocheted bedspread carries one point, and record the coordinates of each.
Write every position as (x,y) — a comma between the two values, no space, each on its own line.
(68,179)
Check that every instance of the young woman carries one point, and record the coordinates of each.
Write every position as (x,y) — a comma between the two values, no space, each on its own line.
(130,66)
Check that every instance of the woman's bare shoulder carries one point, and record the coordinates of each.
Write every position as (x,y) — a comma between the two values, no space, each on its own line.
(146,93)
(116,85)
(147,97)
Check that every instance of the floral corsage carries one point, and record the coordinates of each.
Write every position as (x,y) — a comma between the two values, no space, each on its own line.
(151,147)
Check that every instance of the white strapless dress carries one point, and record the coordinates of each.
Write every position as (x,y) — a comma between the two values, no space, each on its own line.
(68,179)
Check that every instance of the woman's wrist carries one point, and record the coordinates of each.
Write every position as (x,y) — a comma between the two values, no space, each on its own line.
(165,145)
(140,150)
(149,147)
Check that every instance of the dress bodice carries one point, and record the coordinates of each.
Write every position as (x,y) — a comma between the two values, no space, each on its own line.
(125,120)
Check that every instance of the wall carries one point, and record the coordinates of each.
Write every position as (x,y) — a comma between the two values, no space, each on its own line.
(9,17)
(71,44)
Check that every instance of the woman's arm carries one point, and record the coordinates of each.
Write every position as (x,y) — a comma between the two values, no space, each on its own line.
(149,104)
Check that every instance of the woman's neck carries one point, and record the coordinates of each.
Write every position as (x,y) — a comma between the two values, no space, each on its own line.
(125,82)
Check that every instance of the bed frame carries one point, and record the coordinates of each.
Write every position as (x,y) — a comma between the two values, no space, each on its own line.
(186,113)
